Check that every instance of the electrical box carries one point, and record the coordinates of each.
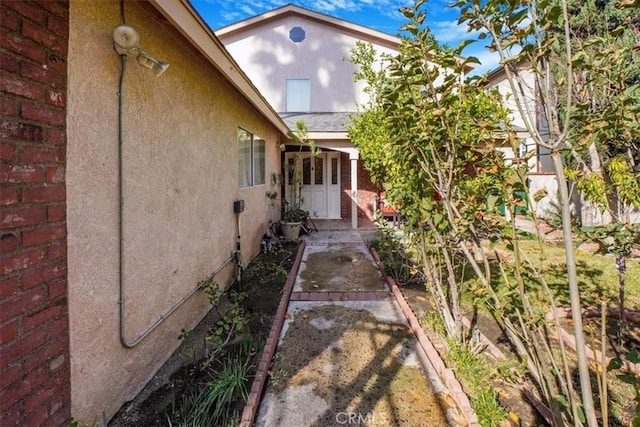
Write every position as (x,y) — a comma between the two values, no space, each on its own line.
(238,206)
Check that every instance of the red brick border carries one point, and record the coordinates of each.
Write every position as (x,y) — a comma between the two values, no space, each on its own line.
(34,314)
(259,382)
(341,296)
(446,374)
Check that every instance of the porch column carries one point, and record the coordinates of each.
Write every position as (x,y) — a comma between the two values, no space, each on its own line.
(353,156)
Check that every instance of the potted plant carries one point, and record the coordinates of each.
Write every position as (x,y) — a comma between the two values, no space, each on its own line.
(292,213)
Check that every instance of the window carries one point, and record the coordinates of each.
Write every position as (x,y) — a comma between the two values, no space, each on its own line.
(251,159)
(298,95)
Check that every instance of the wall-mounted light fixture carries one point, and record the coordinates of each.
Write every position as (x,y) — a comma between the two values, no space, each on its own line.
(126,40)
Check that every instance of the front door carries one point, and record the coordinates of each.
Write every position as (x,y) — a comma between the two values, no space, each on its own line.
(314,184)
(318,175)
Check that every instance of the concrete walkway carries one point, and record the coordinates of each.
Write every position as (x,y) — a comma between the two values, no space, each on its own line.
(346,354)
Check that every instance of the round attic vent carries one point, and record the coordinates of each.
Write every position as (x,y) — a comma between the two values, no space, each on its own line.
(296,34)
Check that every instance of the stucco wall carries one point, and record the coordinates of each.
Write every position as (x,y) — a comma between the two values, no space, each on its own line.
(180,180)
(269,57)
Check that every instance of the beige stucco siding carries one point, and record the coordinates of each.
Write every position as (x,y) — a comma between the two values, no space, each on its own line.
(269,57)
(180,180)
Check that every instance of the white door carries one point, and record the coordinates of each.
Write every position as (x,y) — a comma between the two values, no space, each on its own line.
(312,172)
(314,184)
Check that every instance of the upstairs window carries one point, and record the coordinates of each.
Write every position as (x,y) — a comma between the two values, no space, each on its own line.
(298,95)
(251,159)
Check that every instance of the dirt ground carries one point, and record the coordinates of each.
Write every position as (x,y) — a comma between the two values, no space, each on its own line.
(346,269)
(346,361)
(263,281)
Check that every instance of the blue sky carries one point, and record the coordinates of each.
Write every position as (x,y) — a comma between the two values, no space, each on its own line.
(382,15)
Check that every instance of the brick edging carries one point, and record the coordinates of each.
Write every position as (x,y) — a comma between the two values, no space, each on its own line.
(446,375)
(260,380)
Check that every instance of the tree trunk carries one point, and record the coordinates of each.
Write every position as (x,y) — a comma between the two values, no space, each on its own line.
(574,293)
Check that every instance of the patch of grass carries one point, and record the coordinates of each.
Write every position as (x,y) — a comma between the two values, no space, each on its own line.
(212,405)
(472,370)
(597,275)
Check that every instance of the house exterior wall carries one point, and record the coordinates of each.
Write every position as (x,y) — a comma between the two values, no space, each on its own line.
(270,57)
(180,179)
(34,317)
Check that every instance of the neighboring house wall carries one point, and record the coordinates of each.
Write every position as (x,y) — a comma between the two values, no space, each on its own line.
(541,177)
(180,178)
(268,55)
(34,322)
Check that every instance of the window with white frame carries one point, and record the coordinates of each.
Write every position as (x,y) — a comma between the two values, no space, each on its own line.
(251,159)
(298,95)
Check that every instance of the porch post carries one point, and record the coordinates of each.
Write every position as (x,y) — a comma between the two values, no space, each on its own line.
(353,156)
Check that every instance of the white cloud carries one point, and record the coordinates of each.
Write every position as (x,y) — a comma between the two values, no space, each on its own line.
(451,31)
(488,61)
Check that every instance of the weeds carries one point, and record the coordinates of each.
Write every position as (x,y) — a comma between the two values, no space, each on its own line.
(472,370)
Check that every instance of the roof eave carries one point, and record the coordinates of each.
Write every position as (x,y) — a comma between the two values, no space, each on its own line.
(293,10)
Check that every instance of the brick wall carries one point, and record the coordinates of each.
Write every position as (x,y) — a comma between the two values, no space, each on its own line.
(345,186)
(34,325)
(366,190)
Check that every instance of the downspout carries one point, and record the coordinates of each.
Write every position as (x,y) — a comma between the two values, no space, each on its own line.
(121,260)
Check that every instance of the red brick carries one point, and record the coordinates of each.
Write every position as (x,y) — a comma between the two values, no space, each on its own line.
(60,405)
(57,288)
(21,173)
(7,154)
(56,213)
(39,34)
(8,62)
(36,400)
(8,243)
(55,175)
(20,87)
(8,196)
(44,234)
(57,250)
(10,376)
(8,107)
(61,9)
(23,304)
(20,348)
(60,326)
(44,194)
(10,129)
(8,19)
(22,260)
(9,287)
(41,154)
(38,417)
(58,26)
(28,10)
(43,274)
(23,47)
(43,114)
(10,416)
(41,317)
(56,136)
(57,62)
(19,217)
(53,349)
(56,98)
(8,332)
(43,75)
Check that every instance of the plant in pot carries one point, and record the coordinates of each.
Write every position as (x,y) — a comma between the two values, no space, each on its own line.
(292,213)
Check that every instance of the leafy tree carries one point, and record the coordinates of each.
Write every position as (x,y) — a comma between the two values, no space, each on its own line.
(586,98)
(429,137)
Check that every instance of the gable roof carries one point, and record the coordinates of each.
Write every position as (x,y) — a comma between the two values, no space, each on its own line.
(290,9)
(189,23)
